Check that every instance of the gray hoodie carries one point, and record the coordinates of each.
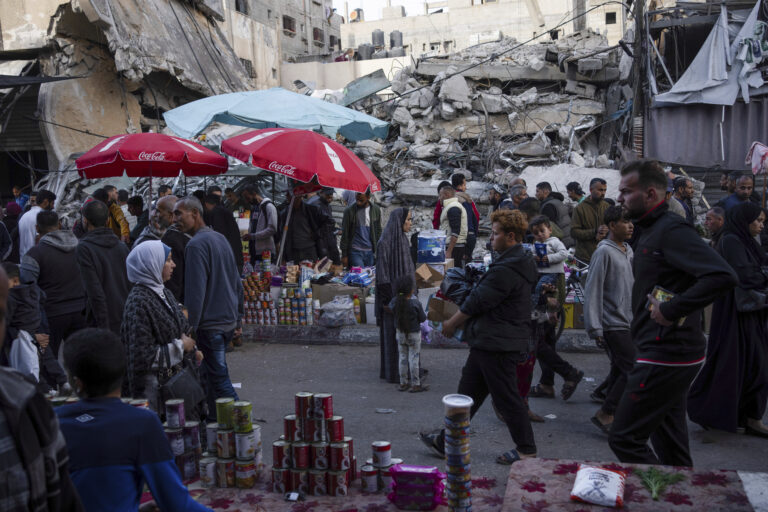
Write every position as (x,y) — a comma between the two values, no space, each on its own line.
(608,293)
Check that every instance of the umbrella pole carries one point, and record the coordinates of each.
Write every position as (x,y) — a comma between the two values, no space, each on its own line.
(285,231)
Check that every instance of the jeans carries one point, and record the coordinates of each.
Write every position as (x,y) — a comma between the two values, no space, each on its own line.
(361,258)
(214,371)
(409,346)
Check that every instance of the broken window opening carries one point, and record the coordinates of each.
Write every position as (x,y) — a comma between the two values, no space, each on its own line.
(333,42)
(447,45)
(248,65)
(434,47)
(289,25)
(610,18)
(269,14)
(274,74)
(241,6)
(318,36)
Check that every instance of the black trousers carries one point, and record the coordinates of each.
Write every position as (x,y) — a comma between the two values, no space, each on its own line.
(622,353)
(549,360)
(495,373)
(61,326)
(458,256)
(653,407)
(469,248)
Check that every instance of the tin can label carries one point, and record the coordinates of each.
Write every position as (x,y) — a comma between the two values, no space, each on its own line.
(225,473)
(176,440)
(279,480)
(336,429)
(224,407)
(245,474)
(318,484)
(303,402)
(300,480)
(369,479)
(208,472)
(210,437)
(382,454)
(320,454)
(337,483)
(225,443)
(241,416)
(292,428)
(281,454)
(174,413)
(339,459)
(300,455)
(245,445)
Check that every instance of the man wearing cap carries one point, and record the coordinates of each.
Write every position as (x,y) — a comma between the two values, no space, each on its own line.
(322,200)
(674,206)
(499,199)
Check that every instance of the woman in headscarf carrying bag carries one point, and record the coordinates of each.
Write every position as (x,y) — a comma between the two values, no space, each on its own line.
(393,261)
(731,390)
(152,320)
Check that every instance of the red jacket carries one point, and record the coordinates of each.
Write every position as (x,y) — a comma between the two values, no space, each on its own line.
(439,211)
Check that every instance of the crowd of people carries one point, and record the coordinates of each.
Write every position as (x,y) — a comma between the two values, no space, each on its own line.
(135,291)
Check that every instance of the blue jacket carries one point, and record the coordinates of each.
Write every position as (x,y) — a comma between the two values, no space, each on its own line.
(213,291)
(114,449)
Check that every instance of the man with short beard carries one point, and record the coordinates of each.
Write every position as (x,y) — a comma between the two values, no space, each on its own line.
(670,346)
(161,228)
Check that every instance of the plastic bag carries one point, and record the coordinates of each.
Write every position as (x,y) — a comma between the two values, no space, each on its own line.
(456,286)
(340,311)
(599,486)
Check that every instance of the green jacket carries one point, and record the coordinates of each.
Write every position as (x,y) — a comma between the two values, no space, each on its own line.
(587,217)
(349,226)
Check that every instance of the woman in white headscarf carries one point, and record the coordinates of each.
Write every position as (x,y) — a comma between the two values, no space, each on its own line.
(152,320)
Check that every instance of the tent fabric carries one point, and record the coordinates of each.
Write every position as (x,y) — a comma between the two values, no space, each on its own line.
(701,147)
(708,79)
(274,108)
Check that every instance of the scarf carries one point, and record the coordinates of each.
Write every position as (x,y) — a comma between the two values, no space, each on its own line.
(737,223)
(393,251)
(145,265)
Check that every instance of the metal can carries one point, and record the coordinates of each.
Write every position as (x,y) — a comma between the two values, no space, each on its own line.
(224,407)
(320,455)
(339,459)
(192,436)
(280,480)
(396,461)
(245,445)
(281,454)
(299,480)
(292,428)
(369,479)
(318,482)
(382,454)
(176,440)
(335,429)
(241,416)
(300,455)
(385,479)
(337,483)
(208,472)
(320,433)
(190,471)
(323,405)
(174,413)
(225,472)
(225,444)
(210,437)
(139,403)
(245,474)
(303,401)
(308,430)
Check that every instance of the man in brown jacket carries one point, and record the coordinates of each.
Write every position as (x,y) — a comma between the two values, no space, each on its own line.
(117,221)
(587,226)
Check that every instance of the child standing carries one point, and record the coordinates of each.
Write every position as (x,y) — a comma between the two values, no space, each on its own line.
(549,253)
(408,318)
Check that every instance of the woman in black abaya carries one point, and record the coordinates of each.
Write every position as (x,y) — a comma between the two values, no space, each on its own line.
(393,260)
(732,388)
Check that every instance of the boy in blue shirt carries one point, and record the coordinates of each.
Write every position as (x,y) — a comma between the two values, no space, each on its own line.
(114,448)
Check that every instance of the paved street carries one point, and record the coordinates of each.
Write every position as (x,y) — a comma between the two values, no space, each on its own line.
(270,375)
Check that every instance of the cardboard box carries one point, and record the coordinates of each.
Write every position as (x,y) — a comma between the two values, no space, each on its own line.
(441,310)
(326,292)
(442,267)
(427,277)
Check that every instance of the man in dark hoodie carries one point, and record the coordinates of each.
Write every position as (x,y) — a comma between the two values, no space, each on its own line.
(671,348)
(222,221)
(52,263)
(101,257)
(497,320)
(263,225)
(33,453)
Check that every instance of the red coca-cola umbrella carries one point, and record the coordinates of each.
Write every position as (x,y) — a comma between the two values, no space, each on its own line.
(148,155)
(303,155)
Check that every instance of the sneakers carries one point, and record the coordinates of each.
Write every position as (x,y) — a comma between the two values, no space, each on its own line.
(419,388)
(434,442)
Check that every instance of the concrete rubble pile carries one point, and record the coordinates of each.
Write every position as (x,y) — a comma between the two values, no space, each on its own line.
(495,108)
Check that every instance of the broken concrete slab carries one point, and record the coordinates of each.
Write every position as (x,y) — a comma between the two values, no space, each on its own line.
(401,116)
(560,175)
(425,191)
(491,103)
(512,72)
(580,89)
(455,89)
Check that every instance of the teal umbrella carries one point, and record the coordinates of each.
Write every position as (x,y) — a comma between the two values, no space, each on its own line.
(274,108)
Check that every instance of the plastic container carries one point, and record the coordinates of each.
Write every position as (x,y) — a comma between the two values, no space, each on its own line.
(431,246)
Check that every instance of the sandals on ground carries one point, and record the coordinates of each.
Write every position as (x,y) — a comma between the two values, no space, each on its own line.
(512,456)
(538,391)
(570,385)
(604,427)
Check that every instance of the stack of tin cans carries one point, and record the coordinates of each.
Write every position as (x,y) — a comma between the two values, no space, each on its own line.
(458,490)
(184,438)
(294,307)
(313,456)
(260,310)
(375,475)
(233,457)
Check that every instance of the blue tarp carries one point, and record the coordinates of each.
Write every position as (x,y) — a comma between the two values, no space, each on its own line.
(271,108)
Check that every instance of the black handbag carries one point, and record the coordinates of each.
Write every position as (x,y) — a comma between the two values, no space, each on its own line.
(180,381)
(748,301)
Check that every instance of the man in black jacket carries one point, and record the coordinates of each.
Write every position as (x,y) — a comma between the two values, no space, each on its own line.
(303,239)
(33,453)
(328,242)
(101,257)
(222,221)
(497,320)
(53,265)
(670,345)
(555,211)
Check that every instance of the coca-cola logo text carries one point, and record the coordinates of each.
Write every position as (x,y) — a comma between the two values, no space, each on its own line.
(157,156)
(282,168)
